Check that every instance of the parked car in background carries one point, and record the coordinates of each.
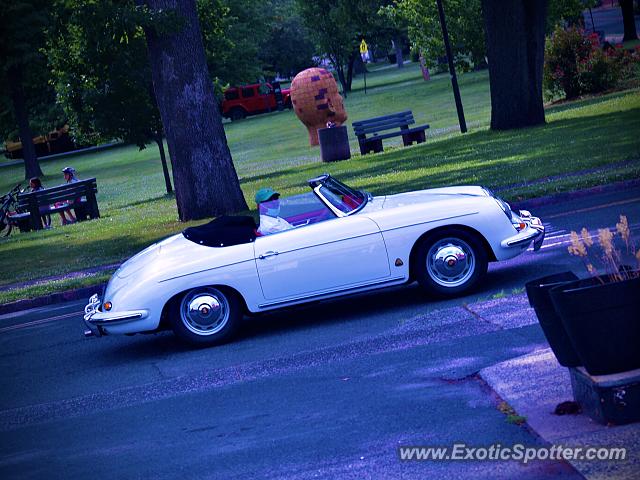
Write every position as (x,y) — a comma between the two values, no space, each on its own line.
(201,282)
(240,102)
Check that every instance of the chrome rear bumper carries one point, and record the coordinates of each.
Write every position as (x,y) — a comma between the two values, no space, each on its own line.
(95,319)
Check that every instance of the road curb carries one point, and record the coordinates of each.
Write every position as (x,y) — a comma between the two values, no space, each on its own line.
(532,203)
(51,299)
(564,196)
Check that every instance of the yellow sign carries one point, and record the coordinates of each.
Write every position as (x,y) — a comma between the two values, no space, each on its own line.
(363,47)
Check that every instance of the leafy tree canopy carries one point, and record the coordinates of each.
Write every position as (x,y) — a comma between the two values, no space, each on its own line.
(464,22)
(233,33)
(22,37)
(97,52)
(337,27)
(287,48)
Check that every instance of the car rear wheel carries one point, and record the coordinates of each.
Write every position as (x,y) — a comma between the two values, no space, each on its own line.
(207,316)
(237,113)
(450,263)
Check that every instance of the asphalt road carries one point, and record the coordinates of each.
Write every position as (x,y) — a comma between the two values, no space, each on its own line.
(326,391)
(608,19)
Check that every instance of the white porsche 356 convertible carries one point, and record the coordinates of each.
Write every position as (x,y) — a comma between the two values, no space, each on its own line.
(200,282)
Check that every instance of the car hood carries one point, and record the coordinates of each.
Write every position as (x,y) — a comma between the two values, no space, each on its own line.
(432,195)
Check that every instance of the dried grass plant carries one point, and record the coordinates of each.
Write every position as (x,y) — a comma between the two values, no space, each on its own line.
(610,263)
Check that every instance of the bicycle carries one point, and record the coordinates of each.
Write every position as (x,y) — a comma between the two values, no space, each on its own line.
(9,207)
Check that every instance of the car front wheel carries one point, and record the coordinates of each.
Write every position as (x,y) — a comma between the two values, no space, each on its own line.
(207,316)
(450,263)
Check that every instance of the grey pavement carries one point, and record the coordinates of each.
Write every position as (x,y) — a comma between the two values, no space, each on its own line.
(336,409)
(608,19)
(332,410)
(533,385)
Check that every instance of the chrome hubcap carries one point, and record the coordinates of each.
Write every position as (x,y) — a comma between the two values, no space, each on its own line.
(450,262)
(204,311)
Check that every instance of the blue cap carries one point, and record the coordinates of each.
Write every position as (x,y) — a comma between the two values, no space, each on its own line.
(265,194)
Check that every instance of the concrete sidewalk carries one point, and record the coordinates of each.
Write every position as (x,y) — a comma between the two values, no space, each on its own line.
(533,385)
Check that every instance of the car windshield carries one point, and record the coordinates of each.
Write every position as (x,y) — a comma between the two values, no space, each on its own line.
(343,200)
(304,209)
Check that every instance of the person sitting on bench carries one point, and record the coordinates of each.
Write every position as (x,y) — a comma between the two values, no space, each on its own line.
(67,216)
(35,185)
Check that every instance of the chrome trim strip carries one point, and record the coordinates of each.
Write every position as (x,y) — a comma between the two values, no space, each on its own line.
(206,269)
(329,292)
(429,221)
(377,232)
(118,318)
(521,239)
(328,204)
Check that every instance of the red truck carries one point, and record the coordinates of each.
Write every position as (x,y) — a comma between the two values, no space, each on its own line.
(240,102)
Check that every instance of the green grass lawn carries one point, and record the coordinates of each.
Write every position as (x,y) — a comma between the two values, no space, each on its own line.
(273,150)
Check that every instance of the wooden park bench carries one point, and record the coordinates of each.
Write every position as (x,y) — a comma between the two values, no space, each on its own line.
(370,138)
(79,196)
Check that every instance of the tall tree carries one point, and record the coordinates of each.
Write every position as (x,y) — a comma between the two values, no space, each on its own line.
(205,179)
(334,33)
(21,38)
(234,32)
(287,48)
(515,47)
(338,26)
(97,51)
(628,20)
(465,31)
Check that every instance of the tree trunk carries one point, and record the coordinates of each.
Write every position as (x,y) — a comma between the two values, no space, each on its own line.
(205,180)
(515,47)
(31,164)
(163,160)
(628,20)
(397,45)
(359,66)
(351,62)
(343,81)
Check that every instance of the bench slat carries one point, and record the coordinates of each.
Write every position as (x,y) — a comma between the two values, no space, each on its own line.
(386,122)
(382,126)
(57,197)
(398,133)
(408,113)
(82,184)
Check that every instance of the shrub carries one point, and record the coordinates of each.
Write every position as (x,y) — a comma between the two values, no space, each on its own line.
(575,64)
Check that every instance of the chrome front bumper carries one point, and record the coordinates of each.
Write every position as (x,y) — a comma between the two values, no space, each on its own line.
(96,320)
(533,233)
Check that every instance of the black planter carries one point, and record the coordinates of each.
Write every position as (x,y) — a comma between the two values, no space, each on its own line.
(552,326)
(334,144)
(602,322)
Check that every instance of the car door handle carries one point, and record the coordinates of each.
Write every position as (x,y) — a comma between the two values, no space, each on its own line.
(268,254)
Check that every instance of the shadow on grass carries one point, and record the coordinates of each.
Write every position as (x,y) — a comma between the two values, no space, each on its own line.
(484,157)
(166,196)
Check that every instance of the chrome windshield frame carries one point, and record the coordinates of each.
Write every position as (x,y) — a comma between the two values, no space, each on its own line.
(322,181)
